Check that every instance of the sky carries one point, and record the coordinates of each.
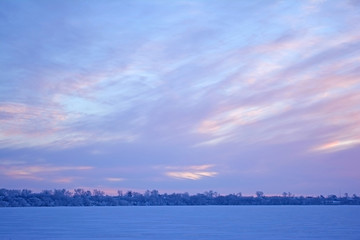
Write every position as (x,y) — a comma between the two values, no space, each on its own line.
(181,96)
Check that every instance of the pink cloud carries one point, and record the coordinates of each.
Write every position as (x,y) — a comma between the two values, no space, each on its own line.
(337,145)
(195,172)
(40,173)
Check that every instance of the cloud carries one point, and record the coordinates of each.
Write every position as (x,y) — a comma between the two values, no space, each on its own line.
(112,179)
(184,68)
(337,145)
(191,175)
(64,180)
(191,172)
(23,125)
(39,172)
(224,123)
(311,75)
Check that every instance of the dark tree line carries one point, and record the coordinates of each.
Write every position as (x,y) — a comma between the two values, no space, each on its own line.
(80,197)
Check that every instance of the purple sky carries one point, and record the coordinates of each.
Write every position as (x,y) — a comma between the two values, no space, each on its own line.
(181,96)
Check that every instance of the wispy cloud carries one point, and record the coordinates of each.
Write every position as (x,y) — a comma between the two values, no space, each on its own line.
(39,172)
(337,145)
(64,180)
(225,123)
(191,172)
(113,179)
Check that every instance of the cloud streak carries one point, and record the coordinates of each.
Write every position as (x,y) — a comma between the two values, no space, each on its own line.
(38,172)
(191,172)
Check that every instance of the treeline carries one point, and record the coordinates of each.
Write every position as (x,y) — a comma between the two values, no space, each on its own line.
(80,197)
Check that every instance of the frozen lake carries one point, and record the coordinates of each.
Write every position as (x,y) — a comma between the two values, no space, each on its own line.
(182,222)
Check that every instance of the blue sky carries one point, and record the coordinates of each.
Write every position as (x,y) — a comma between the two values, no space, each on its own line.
(233,96)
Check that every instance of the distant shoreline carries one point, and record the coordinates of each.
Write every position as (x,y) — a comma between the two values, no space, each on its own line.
(80,197)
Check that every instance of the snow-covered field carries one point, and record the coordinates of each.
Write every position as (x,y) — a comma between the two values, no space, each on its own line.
(182,222)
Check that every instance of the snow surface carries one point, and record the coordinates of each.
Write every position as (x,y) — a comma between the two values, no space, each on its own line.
(181,222)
